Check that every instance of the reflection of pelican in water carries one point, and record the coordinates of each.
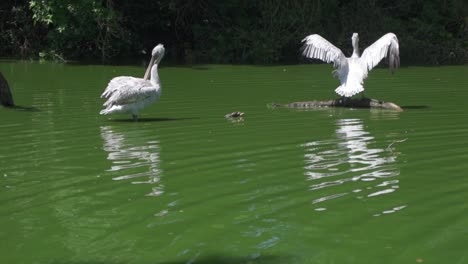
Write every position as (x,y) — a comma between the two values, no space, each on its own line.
(133,157)
(360,156)
(350,158)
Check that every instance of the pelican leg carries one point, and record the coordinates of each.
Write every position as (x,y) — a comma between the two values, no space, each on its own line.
(135,117)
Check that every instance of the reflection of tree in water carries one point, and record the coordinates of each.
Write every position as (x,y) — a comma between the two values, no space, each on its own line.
(350,159)
(133,158)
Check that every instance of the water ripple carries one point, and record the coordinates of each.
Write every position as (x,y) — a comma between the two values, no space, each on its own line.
(133,157)
(350,158)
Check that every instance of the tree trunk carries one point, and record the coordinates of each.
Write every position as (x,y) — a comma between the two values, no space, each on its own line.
(6,99)
(347,102)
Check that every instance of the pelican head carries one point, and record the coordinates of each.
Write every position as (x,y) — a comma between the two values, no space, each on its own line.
(355,42)
(156,55)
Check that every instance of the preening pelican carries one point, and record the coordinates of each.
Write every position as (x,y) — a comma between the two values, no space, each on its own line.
(127,94)
(352,71)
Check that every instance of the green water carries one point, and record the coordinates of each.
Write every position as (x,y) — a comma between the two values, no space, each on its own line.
(186,185)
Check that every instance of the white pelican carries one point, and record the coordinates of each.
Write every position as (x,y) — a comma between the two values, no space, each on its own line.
(127,94)
(352,71)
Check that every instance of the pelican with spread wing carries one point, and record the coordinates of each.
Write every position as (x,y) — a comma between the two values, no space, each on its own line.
(127,94)
(352,71)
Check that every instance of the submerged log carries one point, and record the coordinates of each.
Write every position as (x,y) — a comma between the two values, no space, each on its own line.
(348,102)
(6,99)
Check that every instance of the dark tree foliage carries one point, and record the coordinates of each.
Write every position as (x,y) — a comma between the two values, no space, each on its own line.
(430,32)
(18,36)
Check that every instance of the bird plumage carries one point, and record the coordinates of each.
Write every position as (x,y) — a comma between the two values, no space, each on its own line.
(386,46)
(352,71)
(127,94)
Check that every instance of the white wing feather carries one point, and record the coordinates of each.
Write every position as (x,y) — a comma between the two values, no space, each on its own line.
(386,46)
(126,90)
(316,47)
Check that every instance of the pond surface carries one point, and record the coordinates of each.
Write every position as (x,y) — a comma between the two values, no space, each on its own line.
(186,185)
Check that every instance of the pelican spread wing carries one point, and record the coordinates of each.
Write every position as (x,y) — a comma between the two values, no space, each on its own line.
(386,46)
(316,47)
(127,90)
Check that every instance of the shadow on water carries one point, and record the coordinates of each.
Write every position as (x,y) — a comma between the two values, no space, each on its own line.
(233,260)
(201,67)
(23,108)
(160,119)
(415,107)
(216,259)
(88,262)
